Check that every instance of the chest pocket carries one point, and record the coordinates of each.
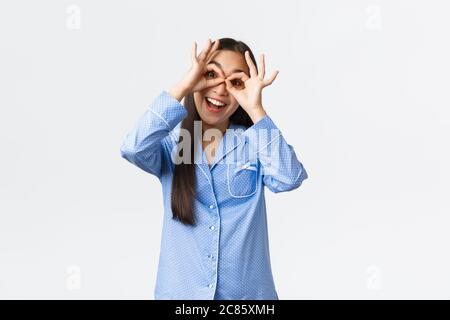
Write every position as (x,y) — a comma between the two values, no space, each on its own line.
(242,179)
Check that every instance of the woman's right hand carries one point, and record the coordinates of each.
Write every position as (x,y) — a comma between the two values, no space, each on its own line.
(197,78)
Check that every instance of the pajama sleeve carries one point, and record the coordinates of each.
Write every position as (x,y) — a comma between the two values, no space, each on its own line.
(281,169)
(146,145)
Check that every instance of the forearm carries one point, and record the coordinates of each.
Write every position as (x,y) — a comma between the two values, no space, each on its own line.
(179,91)
(281,168)
(142,145)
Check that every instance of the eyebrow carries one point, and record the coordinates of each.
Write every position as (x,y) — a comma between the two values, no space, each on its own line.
(220,66)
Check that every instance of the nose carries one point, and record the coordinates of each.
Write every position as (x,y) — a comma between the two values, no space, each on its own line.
(220,89)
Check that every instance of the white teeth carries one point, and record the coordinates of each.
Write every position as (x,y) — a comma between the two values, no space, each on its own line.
(215,102)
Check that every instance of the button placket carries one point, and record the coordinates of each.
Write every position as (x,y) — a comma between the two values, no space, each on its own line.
(212,255)
(215,242)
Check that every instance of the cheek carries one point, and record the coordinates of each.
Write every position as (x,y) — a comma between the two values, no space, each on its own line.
(198,98)
(232,109)
(234,104)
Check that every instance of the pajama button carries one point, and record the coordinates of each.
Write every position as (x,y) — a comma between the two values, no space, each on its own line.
(211,206)
(210,285)
(212,227)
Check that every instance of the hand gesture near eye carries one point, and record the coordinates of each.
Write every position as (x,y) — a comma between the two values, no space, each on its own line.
(198,77)
(247,90)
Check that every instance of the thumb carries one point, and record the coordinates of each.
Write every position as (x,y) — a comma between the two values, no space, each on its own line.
(230,86)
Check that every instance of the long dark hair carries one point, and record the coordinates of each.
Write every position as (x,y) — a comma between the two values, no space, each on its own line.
(184,182)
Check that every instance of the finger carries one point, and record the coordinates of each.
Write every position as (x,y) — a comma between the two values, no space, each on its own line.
(272,78)
(262,66)
(194,52)
(251,65)
(213,49)
(215,68)
(230,87)
(204,52)
(238,75)
(214,82)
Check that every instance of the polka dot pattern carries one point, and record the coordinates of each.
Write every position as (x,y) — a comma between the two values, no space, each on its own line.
(226,254)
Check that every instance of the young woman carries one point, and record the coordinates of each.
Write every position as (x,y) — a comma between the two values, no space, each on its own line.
(214,241)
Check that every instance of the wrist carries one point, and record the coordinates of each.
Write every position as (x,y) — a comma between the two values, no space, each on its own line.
(179,91)
(257,113)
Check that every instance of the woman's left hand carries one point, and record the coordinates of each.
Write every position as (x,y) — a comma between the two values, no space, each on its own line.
(248,92)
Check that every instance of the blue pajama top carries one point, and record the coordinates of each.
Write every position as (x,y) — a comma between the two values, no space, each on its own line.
(226,254)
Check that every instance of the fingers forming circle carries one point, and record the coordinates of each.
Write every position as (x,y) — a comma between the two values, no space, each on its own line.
(216,69)
(238,75)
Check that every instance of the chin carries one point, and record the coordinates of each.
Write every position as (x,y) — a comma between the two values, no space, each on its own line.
(212,121)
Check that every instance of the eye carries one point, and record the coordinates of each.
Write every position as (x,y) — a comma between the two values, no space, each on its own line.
(210,74)
(237,83)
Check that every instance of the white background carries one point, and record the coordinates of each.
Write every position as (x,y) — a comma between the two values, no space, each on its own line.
(362,95)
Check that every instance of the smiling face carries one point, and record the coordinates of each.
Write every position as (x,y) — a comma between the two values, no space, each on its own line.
(229,62)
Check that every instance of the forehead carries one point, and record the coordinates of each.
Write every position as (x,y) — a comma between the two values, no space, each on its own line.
(229,61)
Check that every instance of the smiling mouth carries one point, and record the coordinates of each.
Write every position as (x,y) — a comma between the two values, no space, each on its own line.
(214,105)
